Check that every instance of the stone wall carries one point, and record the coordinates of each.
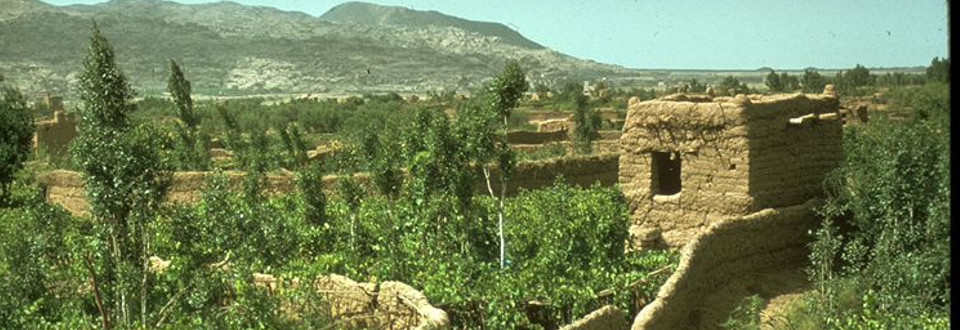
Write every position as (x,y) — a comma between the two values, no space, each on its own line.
(53,136)
(66,187)
(729,261)
(737,155)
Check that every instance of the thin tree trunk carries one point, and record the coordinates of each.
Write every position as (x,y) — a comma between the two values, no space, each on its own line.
(105,317)
(143,282)
(503,193)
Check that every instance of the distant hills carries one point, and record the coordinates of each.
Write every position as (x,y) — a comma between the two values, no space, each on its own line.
(370,14)
(229,48)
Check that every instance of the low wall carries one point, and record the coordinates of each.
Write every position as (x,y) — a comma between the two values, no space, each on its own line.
(66,187)
(352,305)
(387,305)
(733,259)
(607,317)
(599,147)
(527,137)
(579,171)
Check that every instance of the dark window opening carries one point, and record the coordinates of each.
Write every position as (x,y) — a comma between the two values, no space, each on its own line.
(666,173)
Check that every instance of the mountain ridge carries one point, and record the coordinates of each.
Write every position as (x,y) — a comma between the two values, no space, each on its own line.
(233,49)
(359,12)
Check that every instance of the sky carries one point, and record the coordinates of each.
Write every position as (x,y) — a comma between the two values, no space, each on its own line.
(717,34)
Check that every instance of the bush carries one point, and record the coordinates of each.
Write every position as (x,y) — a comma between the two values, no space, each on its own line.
(16,135)
(892,197)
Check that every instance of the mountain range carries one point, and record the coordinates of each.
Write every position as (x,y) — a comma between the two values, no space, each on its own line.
(226,48)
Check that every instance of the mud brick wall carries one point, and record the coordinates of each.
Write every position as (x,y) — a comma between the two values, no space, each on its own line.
(527,137)
(66,187)
(607,317)
(579,171)
(737,155)
(53,136)
(729,261)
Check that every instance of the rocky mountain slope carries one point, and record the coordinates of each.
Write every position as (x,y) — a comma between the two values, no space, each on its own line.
(232,49)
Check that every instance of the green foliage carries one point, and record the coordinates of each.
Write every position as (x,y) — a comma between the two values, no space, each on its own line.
(812,82)
(569,91)
(16,134)
(746,316)
(939,70)
(541,89)
(773,82)
(310,183)
(34,240)
(507,88)
(191,148)
(587,126)
(730,83)
(125,178)
(696,87)
(851,81)
(892,193)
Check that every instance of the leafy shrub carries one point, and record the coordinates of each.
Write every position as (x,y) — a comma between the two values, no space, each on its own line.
(891,196)
(16,133)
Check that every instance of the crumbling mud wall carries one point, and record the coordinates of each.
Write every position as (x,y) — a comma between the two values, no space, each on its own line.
(387,305)
(579,171)
(608,317)
(352,305)
(729,261)
(53,136)
(527,137)
(691,161)
(66,187)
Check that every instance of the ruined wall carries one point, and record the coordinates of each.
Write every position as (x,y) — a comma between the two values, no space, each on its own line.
(729,261)
(352,305)
(737,155)
(66,187)
(527,137)
(387,305)
(53,136)
(580,171)
(608,317)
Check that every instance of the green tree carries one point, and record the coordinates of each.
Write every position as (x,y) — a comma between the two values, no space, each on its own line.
(773,82)
(569,90)
(125,178)
(542,89)
(310,183)
(812,82)
(939,70)
(731,83)
(858,77)
(191,148)
(16,134)
(696,87)
(892,194)
(587,122)
(505,91)
(790,83)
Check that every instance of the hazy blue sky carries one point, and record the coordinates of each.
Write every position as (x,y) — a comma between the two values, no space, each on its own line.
(722,34)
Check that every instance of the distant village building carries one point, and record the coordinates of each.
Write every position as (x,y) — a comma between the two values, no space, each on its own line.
(53,136)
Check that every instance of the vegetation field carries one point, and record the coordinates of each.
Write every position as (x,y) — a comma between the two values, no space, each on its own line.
(539,259)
